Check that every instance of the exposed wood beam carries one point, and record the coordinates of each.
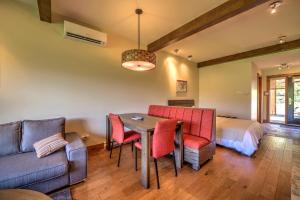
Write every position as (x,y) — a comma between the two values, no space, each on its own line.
(252,53)
(45,10)
(221,13)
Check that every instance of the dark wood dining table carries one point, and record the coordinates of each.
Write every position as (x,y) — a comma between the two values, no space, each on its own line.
(146,128)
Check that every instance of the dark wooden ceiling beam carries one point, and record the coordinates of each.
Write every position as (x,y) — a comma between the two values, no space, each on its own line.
(45,10)
(295,44)
(219,14)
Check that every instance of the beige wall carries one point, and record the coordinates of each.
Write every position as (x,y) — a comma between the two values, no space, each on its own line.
(227,87)
(270,72)
(43,75)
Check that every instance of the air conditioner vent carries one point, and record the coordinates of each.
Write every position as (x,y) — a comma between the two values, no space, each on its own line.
(78,32)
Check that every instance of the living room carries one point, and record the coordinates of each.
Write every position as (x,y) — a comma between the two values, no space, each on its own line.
(52,84)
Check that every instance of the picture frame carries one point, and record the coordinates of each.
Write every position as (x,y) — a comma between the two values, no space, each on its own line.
(181,86)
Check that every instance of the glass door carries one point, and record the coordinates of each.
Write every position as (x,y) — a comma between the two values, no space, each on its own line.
(277,96)
(293,116)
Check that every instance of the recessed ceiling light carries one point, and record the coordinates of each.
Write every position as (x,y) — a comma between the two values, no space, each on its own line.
(282,39)
(190,57)
(176,51)
(274,6)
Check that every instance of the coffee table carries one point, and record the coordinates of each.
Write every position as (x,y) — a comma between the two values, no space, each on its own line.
(22,194)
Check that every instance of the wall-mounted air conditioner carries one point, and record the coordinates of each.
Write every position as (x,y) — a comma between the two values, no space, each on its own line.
(82,33)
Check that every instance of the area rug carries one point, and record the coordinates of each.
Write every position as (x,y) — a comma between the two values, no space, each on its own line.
(64,194)
(281,130)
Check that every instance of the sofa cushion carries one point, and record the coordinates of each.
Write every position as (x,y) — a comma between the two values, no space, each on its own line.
(36,130)
(9,138)
(173,111)
(166,112)
(187,117)
(24,169)
(196,122)
(179,113)
(207,124)
(194,142)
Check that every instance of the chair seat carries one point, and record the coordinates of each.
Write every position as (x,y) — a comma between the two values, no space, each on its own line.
(130,136)
(194,142)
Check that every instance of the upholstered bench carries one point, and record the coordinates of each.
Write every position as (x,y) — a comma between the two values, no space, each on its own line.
(199,131)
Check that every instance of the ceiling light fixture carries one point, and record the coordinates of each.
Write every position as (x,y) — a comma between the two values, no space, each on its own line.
(283,66)
(274,6)
(282,39)
(138,59)
(190,57)
(176,51)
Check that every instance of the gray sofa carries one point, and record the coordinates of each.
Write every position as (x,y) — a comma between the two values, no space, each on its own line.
(20,167)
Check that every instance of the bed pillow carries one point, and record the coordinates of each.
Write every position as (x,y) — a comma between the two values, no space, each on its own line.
(9,138)
(36,130)
(49,145)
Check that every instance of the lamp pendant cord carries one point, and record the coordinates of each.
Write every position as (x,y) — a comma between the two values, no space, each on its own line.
(139,32)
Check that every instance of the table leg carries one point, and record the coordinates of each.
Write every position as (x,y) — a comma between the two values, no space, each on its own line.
(145,176)
(179,146)
(108,133)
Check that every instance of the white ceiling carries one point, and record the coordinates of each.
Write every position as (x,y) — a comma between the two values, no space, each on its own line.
(292,58)
(250,30)
(118,16)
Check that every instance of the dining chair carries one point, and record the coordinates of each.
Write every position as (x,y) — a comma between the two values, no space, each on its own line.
(119,135)
(162,144)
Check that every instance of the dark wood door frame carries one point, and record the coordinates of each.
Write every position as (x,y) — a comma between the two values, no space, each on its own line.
(259,97)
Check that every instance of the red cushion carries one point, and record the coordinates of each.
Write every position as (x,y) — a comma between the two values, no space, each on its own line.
(138,145)
(166,111)
(173,111)
(179,113)
(151,110)
(196,122)
(207,124)
(130,136)
(187,117)
(194,142)
(156,110)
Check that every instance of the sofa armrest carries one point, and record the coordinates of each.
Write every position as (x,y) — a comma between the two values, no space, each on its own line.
(77,156)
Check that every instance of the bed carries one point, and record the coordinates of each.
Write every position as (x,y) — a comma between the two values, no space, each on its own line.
(238,134)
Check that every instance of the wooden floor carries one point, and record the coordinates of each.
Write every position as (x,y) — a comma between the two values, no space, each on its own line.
(228,176)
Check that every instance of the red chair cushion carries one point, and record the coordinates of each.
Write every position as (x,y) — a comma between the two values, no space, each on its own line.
(196,122)
(163,138)
(130,136)
(117,128)
(194,142)
(207,124)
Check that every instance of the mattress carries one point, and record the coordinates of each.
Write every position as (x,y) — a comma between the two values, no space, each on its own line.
(241,135)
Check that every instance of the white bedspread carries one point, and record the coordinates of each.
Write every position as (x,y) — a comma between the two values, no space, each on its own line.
(241,135)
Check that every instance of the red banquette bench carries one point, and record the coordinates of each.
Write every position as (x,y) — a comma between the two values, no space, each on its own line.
(199,131)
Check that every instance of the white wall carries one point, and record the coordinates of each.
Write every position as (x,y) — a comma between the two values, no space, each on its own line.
(227,87)
(43,75)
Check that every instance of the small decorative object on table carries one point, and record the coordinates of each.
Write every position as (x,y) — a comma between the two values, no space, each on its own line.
(137,118)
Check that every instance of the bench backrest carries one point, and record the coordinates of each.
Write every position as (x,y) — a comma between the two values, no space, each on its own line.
(196,121)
